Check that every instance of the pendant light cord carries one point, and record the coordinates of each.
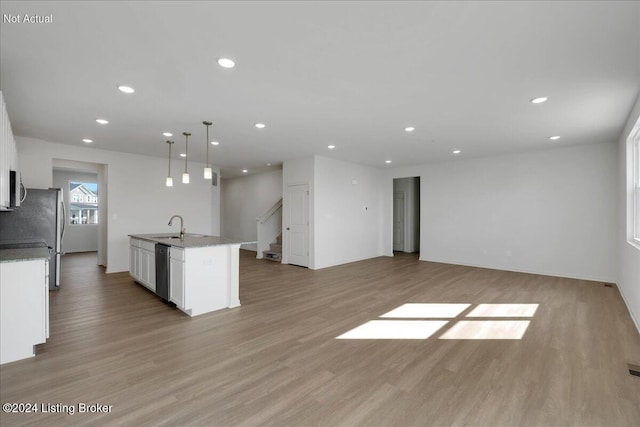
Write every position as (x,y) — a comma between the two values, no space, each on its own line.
(169,168)
(207,124)
(207,142)
(186,150)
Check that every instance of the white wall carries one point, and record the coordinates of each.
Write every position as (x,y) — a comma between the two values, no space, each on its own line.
(138,201)
(347,206)
(246,198)
(547,212)
(629,256)
(77,237)
(411,189)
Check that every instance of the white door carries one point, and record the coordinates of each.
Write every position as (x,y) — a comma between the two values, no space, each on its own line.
(297,226)
(398,221)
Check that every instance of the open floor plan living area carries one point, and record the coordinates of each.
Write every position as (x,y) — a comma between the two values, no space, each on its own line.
(320,213)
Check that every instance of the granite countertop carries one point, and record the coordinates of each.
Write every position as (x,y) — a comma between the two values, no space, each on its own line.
(190,240)
(24,254)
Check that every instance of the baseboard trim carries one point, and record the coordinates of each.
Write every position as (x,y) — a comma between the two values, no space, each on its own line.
(516,270)
(634,318)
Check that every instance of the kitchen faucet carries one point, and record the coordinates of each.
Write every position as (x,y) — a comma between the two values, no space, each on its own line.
(182,230)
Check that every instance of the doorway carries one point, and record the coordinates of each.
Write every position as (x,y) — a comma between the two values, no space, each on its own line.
(398,221)
(406,214)
(296,225)
(85,195)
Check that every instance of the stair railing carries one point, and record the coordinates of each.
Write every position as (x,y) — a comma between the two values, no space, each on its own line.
(269,227)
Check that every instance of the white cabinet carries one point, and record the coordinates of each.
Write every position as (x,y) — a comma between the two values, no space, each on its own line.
(148,268)
(142,262)
(24,308)
(8,155)
(134,259)
(176,277)
(46,303)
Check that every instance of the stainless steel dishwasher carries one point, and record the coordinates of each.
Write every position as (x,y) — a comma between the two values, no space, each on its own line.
(162,271)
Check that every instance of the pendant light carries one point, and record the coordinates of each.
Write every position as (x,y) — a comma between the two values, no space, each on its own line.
(185,175)
(169,181)
(207,170)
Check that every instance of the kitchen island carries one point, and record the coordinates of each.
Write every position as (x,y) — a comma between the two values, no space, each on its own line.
(202,271)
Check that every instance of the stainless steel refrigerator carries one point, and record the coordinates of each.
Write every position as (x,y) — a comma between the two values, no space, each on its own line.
(38,221)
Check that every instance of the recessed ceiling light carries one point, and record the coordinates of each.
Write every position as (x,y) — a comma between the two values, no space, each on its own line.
(539,100)
(215,143)
(387,161)
(167,134)
(102,121)
(226,63)
(87,140)
(553,138)
(126,89)
(331,147)
(183,155)
(244,171)
(456,151)
(409,129)
(260,125)
(268,164)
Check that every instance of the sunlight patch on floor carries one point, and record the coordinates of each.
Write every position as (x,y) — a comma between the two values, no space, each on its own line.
(394,329)
(504,310)
(487,330)
(495,326)
(427,311)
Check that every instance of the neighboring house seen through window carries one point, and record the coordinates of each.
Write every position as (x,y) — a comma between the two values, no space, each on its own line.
(84,202)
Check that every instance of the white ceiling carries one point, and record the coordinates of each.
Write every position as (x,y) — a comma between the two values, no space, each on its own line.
(352,74)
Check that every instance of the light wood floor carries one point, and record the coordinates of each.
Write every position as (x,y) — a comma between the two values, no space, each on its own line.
(275,360)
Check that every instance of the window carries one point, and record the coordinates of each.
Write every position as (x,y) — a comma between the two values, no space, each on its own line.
(635,160)
(84,203)
(633,186)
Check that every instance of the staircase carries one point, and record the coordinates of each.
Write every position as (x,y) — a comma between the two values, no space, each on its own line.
(274,253)
(269,233)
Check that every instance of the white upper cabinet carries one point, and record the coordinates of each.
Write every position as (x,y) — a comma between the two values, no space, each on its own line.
(8,155)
